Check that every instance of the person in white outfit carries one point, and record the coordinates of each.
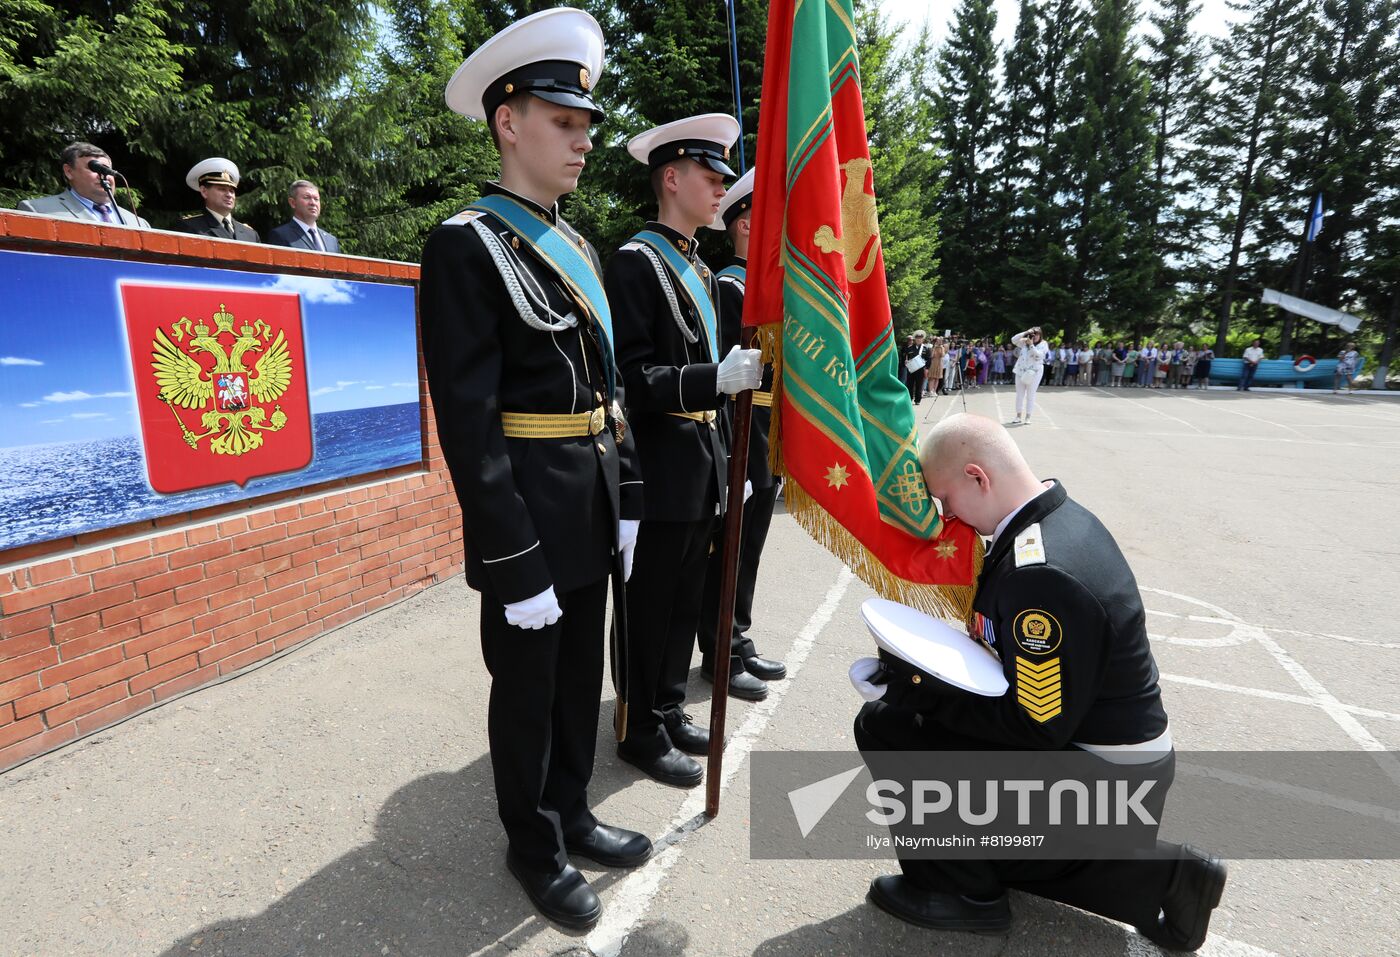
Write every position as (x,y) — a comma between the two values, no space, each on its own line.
(1031,351)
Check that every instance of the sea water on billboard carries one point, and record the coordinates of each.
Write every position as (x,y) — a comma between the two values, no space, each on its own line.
(132,390)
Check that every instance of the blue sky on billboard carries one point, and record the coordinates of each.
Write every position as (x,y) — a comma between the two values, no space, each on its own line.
(65,371)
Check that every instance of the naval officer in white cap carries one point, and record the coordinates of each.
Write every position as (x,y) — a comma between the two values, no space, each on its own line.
(665,303)
(216,179)
(518,344)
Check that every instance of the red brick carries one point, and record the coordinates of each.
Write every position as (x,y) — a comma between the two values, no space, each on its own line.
(303,525)
(40,701)
(25,644)
(96,601)
(25,664)
(304,603)
(31,227)
(114,713)
(117,237)
(245,658)
(281,627)
(231,596)
(20,730)
(297,635)
(25,622)
(343,560)
(287,513)
(264,518)
(93,561)
(199,554)
(201,535)
(338,589)
(105,638)
(119,672)
(134,551)
(166,672)
(233,526)
(292,591)
(76,707)
(174,615)
(77,628)
(50,594)
(18,688)
(168,581)
(242,627)
(185,682)
(79,234)
(129,572)
(157,241)
(327,609)
(210,586)
(317,506)
(222,649)
(165,544)
(137,647)
(157,657)
(37,744)
(222,616)
(51,571)
(256,537)
(131,610)
(290,545)
(264,570)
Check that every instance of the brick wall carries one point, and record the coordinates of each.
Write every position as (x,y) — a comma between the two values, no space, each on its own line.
(99,626)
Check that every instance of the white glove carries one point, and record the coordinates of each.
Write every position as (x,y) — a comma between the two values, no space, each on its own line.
(748,491)
(741,369)
(861,672)
(627,543)
(535,613)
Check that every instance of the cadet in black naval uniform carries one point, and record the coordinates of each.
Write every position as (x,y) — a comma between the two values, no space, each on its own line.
(216,180)
(663,298)
(528,404)
(747,670)
(1059,604)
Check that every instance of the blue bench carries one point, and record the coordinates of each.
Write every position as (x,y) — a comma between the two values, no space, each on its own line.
(1279,372)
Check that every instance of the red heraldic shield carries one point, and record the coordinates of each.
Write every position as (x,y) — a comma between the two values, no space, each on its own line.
(220,378)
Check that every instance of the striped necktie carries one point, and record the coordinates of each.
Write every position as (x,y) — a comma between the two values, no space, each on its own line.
(103,210)
(316,239)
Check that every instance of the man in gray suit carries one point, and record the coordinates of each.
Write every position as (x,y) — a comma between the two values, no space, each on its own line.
(302,232)
(86,197)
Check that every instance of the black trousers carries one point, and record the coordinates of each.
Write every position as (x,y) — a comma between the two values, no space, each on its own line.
(663,612)
(543,721)
(758,516)
(916,386)
(1130,891)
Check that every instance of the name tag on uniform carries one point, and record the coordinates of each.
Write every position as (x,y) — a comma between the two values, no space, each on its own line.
(1030,549)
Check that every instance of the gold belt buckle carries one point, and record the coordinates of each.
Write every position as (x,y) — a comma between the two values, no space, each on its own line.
(597,421)
(710,418)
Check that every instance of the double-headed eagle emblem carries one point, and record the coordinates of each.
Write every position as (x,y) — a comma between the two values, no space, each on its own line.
(237,419)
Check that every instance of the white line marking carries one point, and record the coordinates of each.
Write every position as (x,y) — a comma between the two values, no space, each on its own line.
(1220,407)
(1149,408)
(1273,695)
(629,901)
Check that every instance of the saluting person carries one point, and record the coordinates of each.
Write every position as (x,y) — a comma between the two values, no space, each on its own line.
(747,669)
(668,349)
(518,344)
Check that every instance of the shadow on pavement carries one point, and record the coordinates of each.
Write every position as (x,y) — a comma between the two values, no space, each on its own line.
(433,882)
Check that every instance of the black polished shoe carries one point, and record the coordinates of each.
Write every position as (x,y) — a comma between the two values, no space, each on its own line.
(765,668)
(688,736)
(1194,892)
(896,895)
(741,684)
(564,896)
(611,846)
(671,768)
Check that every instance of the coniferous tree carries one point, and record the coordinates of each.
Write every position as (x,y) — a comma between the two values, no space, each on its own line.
(967,132)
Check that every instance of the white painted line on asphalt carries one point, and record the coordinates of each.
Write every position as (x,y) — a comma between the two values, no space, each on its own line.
(1220,407)
(628,903)
(1149,408)
(1273,695)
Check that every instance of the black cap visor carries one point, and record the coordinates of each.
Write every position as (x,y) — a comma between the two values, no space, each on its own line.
(710,155)
(561,82)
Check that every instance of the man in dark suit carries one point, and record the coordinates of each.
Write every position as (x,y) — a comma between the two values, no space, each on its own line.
(216,180)
(668,349)
(517,342)
(747,670)
(1057,602)
(302,232)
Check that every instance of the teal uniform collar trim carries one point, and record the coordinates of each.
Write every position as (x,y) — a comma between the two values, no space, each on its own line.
(695,288)
(566,258)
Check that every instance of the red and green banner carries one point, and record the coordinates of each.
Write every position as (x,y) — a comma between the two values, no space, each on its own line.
(846,435)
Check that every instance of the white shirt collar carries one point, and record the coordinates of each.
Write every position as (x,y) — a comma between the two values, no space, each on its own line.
(221,217)
(1001,526)
(304,227)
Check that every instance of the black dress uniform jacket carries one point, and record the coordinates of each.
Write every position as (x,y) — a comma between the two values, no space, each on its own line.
(1072,637)
(731,299)
(684,461)
(204,224)
(535,512)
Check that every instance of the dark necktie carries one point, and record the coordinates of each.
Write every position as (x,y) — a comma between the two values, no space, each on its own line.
(316,239)
(105,211)
(228,225)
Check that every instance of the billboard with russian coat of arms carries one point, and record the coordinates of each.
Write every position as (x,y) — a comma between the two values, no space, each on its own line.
(129,390)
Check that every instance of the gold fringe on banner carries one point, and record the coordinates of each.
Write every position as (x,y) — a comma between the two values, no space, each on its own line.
(770,343)
(941,601)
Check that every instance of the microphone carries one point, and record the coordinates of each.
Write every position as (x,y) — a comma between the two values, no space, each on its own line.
(100,168)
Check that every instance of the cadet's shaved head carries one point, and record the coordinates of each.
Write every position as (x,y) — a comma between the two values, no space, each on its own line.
(972,466)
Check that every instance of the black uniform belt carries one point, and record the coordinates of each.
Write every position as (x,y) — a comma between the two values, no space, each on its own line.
(539,425)
(764,399)
(707,416)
